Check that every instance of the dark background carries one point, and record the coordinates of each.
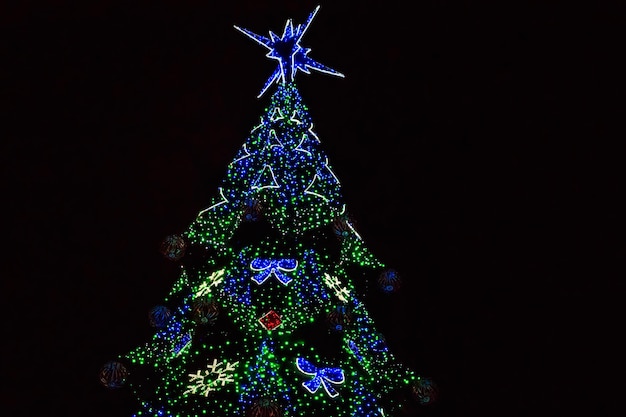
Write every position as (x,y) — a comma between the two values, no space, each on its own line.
(476,143)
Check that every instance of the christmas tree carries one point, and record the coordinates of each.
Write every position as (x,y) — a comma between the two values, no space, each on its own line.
(266,317)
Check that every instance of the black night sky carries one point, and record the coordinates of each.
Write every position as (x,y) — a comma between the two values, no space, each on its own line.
(475,146)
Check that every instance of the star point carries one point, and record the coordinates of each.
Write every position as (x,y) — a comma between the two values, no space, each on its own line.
(286,49)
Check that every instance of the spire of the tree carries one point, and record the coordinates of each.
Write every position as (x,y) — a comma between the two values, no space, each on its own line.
(286,49)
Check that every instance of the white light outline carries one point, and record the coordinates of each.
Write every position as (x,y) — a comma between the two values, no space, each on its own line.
(247,154)
(273,117)
(317,177)
(224,201)
(273,140)
(354,230)
(313,133)
(258,126)
(306,191)
(293,119)
(299,147)
(265,167)
(330,170)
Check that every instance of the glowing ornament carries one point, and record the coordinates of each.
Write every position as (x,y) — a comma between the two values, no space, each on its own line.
(425,391)
(173,247)
(320,377)
(265,407)
(339,318)
(204,310)
(159,316)
(341,227)
(270,320)
(215,376)
(252,211)
(113,374)
(278,268)
(389,280)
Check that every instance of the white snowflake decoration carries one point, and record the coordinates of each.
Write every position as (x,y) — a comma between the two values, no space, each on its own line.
(213,280)
(333,283)
(205,381)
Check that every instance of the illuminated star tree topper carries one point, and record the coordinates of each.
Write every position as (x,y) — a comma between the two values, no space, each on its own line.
(287,51)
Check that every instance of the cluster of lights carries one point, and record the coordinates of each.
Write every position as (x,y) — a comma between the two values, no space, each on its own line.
(281,165)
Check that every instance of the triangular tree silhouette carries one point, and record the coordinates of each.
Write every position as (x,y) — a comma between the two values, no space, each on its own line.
(266,318)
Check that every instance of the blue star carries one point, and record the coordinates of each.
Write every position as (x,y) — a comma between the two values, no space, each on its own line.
(287,51)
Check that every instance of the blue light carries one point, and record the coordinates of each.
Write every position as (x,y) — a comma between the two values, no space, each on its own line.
(287,51)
